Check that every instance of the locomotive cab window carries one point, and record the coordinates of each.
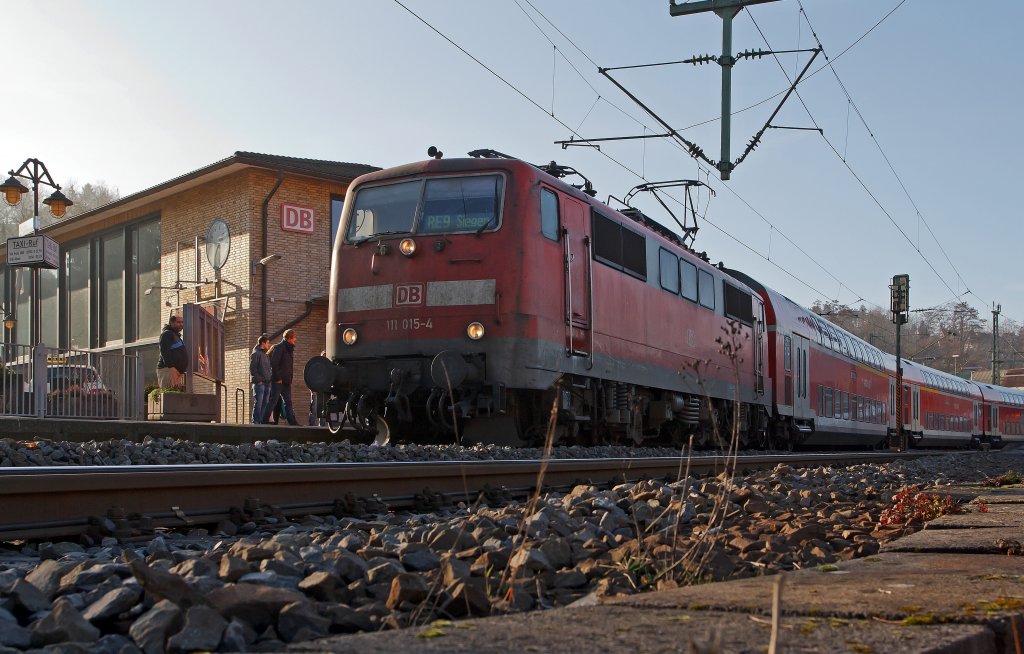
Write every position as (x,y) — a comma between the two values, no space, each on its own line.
(386,209)
(619,247)
(437,205)
(549,214)
(668,270)
(460,204)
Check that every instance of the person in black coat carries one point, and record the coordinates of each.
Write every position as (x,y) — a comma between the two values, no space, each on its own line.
(282,362)
(260,372)
(173,362)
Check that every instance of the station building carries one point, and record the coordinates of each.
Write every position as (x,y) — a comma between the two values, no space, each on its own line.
(248,237)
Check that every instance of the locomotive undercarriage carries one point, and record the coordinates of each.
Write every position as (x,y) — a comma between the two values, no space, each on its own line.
(450,398)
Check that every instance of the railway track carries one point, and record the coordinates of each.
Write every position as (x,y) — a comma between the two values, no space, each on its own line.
(127,501)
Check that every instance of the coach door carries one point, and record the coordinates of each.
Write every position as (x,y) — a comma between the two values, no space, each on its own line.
(578,295)
(801,405)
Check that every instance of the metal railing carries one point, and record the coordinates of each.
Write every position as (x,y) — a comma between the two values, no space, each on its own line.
(50,382)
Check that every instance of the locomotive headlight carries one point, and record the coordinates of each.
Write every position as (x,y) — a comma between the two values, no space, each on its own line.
(407,247)
(475,331)
(349,336)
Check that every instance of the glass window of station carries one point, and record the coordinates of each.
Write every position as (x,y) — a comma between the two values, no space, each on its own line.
(97,299)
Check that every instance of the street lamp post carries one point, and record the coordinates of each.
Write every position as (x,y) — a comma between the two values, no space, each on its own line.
(34,171)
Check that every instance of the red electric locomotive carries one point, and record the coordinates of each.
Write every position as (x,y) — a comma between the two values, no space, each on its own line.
(470,296)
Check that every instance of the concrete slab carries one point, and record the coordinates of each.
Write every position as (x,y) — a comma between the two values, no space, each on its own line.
(988,540)
(998,515)
(607,629)
(892,586)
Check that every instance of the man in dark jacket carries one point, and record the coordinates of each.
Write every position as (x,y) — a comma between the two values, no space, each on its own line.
(282,361)
(173,362)
(260,373)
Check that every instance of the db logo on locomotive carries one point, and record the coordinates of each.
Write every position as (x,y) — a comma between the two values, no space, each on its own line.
(408,294)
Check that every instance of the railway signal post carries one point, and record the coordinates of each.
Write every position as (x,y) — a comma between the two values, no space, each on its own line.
(900,305)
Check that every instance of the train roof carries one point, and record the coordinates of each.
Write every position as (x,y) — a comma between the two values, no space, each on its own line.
(936,379)
(1001,394)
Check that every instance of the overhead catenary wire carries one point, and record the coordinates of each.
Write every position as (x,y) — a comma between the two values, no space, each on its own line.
(700,166)
(849,168)
(606,155)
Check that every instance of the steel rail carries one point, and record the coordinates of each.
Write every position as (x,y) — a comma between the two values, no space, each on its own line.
(47,502)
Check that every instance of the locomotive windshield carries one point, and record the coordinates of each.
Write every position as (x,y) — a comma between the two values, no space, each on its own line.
(444,205)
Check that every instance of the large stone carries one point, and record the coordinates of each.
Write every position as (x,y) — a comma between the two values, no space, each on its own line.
(345,619)
(530,559)
(28,597)
(232,568)
(238,636)
(454,570)
(112,604)
(418,557)
(384,571)
(558,552)
(466,599)
(202,631)
(257,605)
(47,575)
(348,566)
(64,623)
(12,635)
(300,621)
(407,587)
(198,567)
(151,629)
(270,578)
(164,585)
(325,587)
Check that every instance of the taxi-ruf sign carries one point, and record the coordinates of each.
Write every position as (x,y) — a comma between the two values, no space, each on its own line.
(33,252)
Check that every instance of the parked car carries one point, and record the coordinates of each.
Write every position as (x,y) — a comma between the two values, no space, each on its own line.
(63,378)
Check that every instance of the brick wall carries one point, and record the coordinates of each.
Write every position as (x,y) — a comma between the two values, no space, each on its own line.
(301,274)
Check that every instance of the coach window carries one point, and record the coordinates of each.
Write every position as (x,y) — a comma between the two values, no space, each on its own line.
(821,399)
(668,270)
(706,289)
(549,214)
(688,278)
(787,356)
(846,406)
(827,413)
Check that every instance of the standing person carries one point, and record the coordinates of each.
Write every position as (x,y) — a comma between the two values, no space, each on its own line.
(260,372)
(282,361)
(314,405)
(173,362)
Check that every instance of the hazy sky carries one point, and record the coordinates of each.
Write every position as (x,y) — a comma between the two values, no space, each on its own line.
(133,94)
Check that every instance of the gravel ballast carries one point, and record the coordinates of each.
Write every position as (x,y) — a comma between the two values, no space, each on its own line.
(296,582)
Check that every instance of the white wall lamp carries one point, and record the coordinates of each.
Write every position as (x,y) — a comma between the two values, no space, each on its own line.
(264,262)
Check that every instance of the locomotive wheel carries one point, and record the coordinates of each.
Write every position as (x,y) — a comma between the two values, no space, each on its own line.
(378,436)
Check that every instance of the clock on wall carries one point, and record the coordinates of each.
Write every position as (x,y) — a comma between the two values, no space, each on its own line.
(218,243)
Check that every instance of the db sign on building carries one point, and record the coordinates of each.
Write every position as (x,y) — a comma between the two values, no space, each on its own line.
(296,218)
